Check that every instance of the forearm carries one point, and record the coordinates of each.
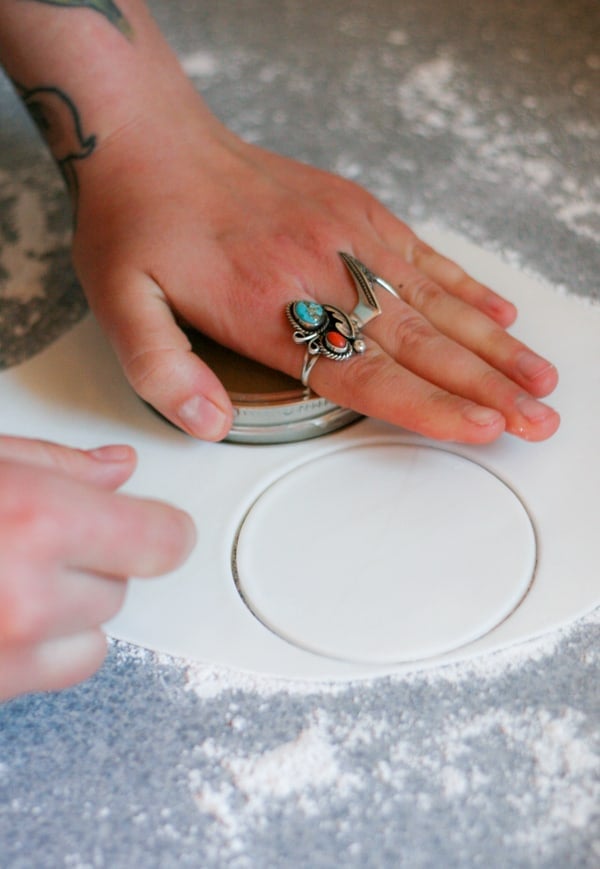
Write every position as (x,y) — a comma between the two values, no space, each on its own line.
(89,69)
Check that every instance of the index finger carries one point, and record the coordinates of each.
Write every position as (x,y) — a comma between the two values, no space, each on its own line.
(125,536)
(108,533)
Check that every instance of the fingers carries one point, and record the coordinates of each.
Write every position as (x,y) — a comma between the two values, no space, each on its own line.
(53,528)
(438,362)
(157,359)
(469,328)
(438,366)
(454,368)
(107,466)
(48,518)
(66,549)
(454,346)
(456,281)
(399,238)
(460,320)
(51,666)
(374,384)
(61,602)
(124,536)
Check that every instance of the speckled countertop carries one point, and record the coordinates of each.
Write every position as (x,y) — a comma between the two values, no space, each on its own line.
(485,118)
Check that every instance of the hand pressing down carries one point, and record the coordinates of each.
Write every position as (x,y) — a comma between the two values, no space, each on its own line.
(206,230)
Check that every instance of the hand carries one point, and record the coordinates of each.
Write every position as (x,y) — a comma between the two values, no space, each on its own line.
(180,221)
(67,544)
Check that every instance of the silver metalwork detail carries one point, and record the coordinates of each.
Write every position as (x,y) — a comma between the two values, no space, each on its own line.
(326,329)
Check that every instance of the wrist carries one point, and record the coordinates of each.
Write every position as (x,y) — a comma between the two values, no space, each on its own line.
(87,80)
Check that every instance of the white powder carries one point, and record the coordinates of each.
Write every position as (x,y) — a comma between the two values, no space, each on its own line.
(583,215)
(208,681)
(554,787)
(397,37)
(23,259)
(566,776)
(297,773)
(308,761)
(200,64)
(432,97)
(216,803)
(560,791)
(454,782)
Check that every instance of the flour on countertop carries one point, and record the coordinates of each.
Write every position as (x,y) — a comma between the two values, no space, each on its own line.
(346,747)
(27,241)
(437,98)
(554,788)
(207,681)
(200,64)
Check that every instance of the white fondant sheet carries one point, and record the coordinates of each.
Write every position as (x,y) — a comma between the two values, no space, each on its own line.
(538,558)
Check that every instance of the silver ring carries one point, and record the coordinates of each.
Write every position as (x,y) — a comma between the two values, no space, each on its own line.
(326,329)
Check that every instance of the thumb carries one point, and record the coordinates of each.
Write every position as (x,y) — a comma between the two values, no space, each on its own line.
(158,361)
(107,467)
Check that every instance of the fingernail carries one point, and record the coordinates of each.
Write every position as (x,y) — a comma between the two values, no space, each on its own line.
(202,418)
(532,366)
(484,416)
(533,410)
(112,453)
(189,532)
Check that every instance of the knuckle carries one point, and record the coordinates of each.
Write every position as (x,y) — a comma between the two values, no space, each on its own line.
(364,373)
(438,398)
(360,375)
(501,346)
(417,251)
(453,275)
(58,457)
(431,413)
(492,382)
(411,332)
(28,526)
(146,366)
(314,246)
(422,293)
(22,614)
(423,256)
(338,192)
(366,379)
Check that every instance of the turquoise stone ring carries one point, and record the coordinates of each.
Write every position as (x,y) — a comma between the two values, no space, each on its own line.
(308,314)
(328,331)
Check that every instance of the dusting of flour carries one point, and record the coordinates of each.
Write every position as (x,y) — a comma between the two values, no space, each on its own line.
(208,680)
(26,240)
(441,754)
(435,99)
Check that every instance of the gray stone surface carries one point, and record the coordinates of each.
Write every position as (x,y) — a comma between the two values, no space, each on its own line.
(485,118)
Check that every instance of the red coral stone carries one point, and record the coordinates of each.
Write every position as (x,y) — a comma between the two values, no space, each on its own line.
(336,340)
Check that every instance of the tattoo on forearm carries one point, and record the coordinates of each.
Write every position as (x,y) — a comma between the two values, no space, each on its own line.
(57,119)
(105,7)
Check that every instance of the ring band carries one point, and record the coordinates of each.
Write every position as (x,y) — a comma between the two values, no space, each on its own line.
(326,329)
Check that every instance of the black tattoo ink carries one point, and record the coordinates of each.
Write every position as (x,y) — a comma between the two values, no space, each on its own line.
(57,119)
(105,7)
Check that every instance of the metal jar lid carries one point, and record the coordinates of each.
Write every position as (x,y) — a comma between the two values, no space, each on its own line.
(269,407)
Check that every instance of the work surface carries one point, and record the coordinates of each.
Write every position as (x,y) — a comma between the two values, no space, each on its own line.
(481,117)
